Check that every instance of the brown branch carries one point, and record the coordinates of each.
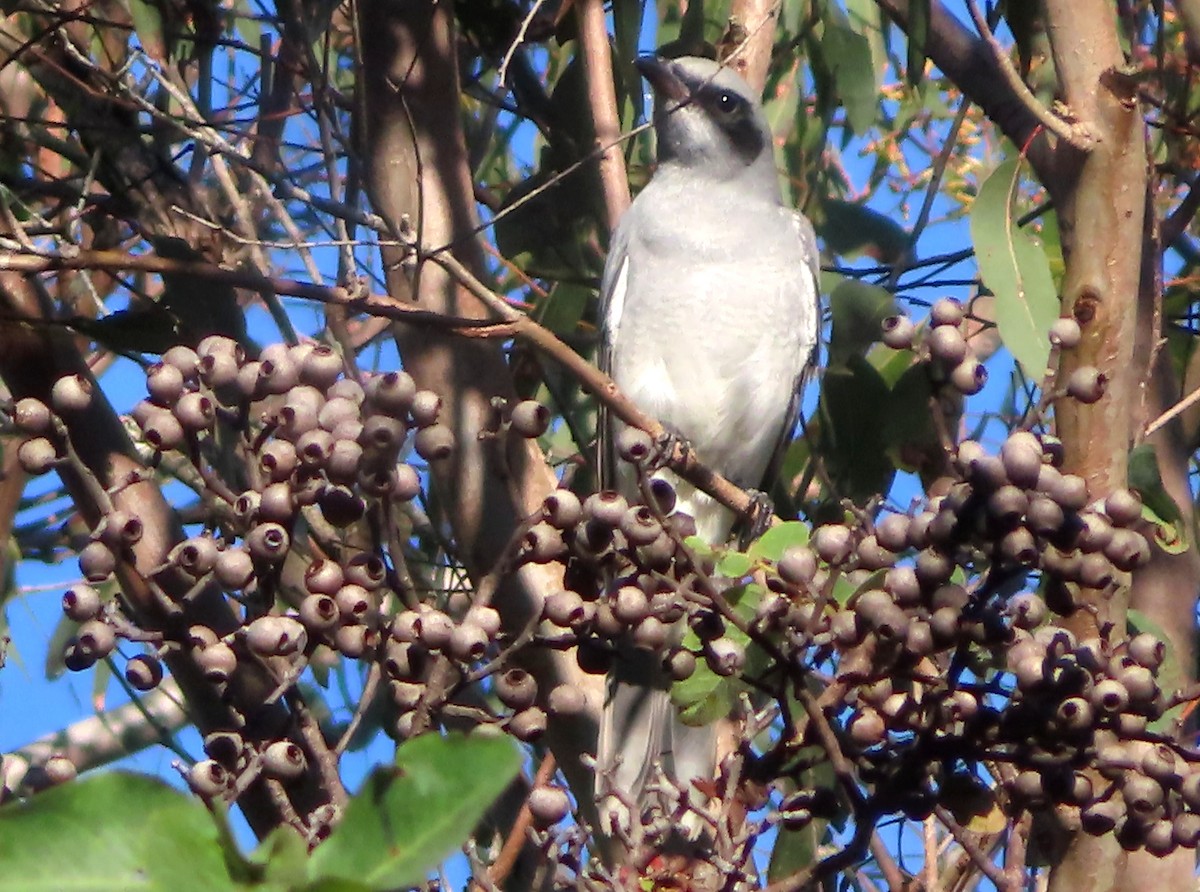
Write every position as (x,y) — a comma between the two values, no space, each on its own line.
(965,60)
(602,102)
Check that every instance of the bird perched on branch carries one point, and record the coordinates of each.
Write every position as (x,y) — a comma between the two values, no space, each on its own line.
(709,321)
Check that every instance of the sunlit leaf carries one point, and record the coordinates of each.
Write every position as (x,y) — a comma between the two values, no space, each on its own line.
(1014,267)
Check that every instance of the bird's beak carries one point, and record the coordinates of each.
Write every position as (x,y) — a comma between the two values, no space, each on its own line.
(661,74)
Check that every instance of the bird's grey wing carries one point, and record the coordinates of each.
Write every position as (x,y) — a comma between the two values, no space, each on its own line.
(811,256)
(612,303)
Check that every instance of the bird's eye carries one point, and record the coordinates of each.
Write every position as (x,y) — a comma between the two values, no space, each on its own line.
(727,103)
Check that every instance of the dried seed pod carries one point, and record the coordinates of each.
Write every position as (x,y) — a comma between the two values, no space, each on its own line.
(548,805)
(217,662)
(1007,505)
(1065,333)
(97,562)
(639,525)
(566,700)
(1186,829)
(487,618)
(630,605)
(725,656)
(32,416)
(1020,547)
(321,367)
(355,641)
(276,636)
(1127,549)
(867,728)
(434,628)
(1028,610)
(1087,384)
(163,431)
(1123,507)
(434,443)
(833,543)
(881,614)
(1139,682)
(277,460)
(96,639)
(143,672)
(562,509)
(468,642)
(81,603)
(71,393)
(268,542)
(527,725)
(165,384)
(1028,787)
(946,311)
(426,406)
(234,568)
(529,419)
(1022,457)
(1074,714)
(969,376)
(196,556)
(196,412)
(284,760)
(634,445)
(382,437)
(277,374)
(393,393)
(543,544)
(516,689)
(1142,795)
(563,608)
(873,556)
(1147,650)
(354,603)
(338,412)
(208,779)
(1095,571)
(37,456)
(366,569)
(1044,516)
(319,613)
(891,531)
(947,345)
(1161,763)
(313,448)
(404,660)
(605,507)
(681,665)
(1102,816)
(651,634)
(1189,789)
(933,567)
(798,565)
(225,747)
(323,577)
(898,332)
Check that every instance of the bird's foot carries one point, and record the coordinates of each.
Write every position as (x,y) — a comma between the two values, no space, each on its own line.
(665,446)
(758,517)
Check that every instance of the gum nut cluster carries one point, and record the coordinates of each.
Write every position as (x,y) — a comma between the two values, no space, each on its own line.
(946,671)
(943,340)
(279,446)
(629,577)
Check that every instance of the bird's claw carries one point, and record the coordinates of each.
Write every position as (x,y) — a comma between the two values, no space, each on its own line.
(758,516)
(665,445)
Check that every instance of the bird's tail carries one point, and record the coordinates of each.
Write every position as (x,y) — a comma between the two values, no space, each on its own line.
(642,743)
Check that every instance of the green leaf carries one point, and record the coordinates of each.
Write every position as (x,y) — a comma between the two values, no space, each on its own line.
(850,228)
(734,564)
(409,818)
(111,831)
(1157,505)
(771,545)
(849,56)
(1013,265)
(858,310)
(703,697)
(854,399)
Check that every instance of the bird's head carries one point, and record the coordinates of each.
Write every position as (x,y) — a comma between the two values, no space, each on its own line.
(707,117)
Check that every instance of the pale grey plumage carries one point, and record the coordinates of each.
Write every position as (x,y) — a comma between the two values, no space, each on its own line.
(709,321)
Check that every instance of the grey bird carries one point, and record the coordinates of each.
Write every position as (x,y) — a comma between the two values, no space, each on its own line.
(709,322)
